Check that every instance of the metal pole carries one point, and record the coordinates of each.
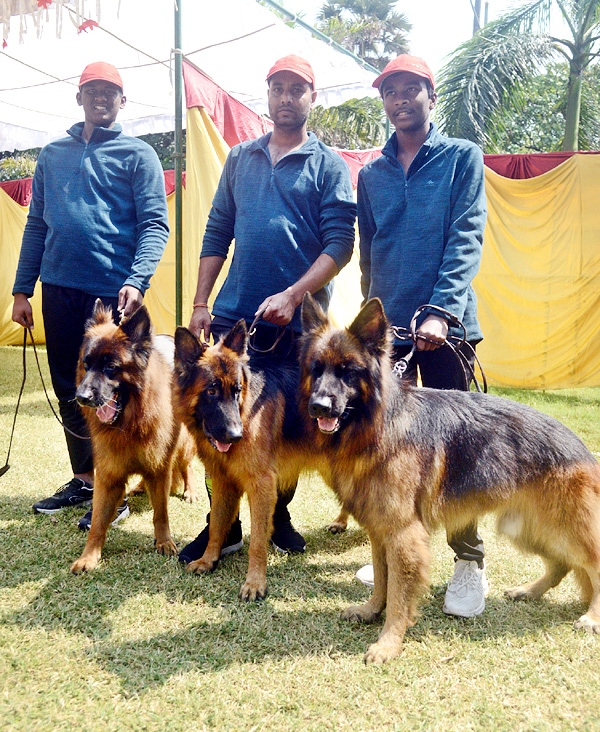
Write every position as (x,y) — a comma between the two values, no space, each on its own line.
(321,36)
(178,168)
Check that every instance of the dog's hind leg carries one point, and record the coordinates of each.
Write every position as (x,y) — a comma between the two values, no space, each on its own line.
(338,525)
(591,620)
(262,497)
(555,571)
(107,497)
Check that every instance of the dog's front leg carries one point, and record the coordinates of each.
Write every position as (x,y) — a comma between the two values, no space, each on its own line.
(106,499)
(224,507)
(372,609)
(408,560)
(158,487)
(262,497)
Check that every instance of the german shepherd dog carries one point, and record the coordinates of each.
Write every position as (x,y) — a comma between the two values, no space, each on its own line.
(248,435)
(404,460)
(125,389)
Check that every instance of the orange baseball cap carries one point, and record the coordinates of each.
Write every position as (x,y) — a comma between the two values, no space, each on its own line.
(413,64)
(297,65)
(101,71)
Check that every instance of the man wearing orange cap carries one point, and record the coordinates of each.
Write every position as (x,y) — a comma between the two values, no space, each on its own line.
(421,216)
(287,200)
(97,227)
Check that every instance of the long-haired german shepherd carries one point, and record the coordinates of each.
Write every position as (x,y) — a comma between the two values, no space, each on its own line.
(125,388)
(404,460)
(248,435)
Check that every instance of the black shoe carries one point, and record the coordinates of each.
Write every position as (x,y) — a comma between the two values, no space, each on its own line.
(286,539)
(195,549)
(76,492)
(85,522)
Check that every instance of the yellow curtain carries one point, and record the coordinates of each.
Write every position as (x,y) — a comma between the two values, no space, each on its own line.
(539,284)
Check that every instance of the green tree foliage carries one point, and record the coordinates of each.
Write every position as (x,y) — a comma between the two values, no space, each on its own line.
(17,165)
(538,126)
(371,29)
(354,125)
(488,78)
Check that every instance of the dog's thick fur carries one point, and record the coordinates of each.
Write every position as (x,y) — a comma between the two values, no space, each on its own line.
(125,390)
(248,435)
(404,460)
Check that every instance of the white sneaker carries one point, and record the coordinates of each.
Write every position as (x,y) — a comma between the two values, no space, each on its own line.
(466,591)
(365,575)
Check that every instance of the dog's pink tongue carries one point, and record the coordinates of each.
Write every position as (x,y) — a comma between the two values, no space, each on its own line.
(106,412)
(327,424)
(222,446)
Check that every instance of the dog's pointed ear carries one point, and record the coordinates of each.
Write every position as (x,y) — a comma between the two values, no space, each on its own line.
(371,327)
(188,349)
(100,314)
(237,338)
(138,327)
(312,314)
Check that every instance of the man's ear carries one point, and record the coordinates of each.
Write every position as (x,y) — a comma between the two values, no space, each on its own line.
(123,100)
(79,99)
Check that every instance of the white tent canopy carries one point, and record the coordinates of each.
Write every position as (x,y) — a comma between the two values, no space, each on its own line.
(234,42)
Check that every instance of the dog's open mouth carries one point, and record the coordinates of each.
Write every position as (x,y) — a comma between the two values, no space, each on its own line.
(108,412)
(328,425)
(220,446)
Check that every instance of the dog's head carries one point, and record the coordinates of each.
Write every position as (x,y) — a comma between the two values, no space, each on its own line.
(212,382)
(112,361)
(341,369)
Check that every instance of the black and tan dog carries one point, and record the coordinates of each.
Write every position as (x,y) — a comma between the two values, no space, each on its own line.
(125,389)
(248,435)
(404,461)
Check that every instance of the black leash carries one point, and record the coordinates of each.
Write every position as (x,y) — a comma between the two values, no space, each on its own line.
(80,437)
(281,329)
(455,343)
(6,466)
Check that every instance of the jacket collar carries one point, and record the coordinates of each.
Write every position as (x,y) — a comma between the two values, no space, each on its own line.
(261,143)
(99,134)
(391,146)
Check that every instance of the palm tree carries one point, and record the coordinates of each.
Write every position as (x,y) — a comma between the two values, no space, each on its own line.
(371,29)
(488,75)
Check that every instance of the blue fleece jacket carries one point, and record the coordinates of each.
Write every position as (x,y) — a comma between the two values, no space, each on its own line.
(98,215)
(282,218)
(421,234)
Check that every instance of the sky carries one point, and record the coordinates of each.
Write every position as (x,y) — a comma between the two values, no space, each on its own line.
(438,26)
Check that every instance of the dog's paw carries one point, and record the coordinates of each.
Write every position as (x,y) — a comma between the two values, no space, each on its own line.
(588,624)
(360,614)
(200,566)
(381,652)
(519,593)
(166,547)
(251,592)
(337,527)
(190,495)
(84,564)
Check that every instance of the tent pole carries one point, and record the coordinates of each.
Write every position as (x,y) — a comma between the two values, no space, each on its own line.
(178,168)
(321,36)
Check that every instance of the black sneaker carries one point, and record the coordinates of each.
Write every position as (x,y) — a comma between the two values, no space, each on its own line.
(286,539)
(85,522)
(195,549)
(76,492)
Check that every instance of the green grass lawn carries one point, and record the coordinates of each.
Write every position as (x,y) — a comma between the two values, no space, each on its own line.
(140,645)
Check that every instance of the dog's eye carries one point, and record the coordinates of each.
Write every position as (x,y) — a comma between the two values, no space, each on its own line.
(317,369)
(211,391)
(339,370)
(110,371)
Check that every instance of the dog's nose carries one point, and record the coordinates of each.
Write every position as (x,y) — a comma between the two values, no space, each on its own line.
(321,406)
(84,396)
(234,434)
